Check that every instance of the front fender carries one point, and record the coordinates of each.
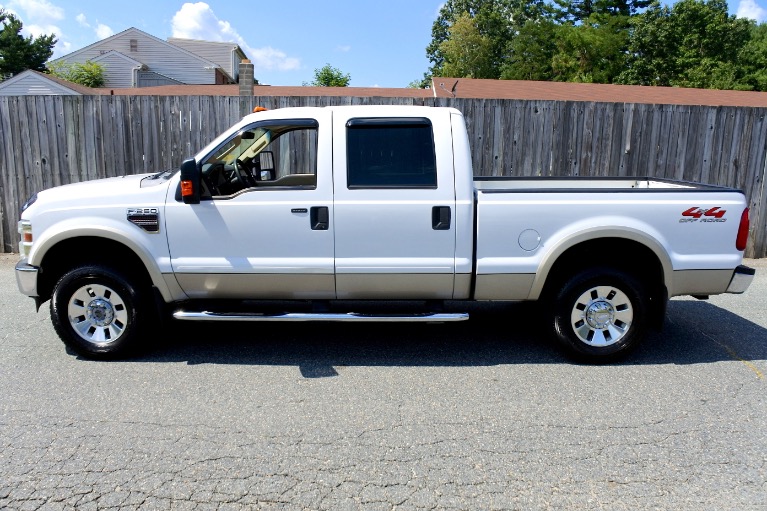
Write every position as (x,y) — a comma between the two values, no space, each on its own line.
(150,248)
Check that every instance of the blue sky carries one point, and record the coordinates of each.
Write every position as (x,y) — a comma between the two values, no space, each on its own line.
(378,42)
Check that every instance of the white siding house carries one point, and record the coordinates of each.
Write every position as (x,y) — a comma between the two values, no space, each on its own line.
(142,52)
(34,83)
(119,70)
(226,55)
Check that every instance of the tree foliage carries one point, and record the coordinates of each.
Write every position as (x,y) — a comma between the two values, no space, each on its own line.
(694,43)
(90,74)
(329,76)
(19,53)
(493,24)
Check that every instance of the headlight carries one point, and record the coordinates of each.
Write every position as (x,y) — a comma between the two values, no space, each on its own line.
(29,202)
(25,232)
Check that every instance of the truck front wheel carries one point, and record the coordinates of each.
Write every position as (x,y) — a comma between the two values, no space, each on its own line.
(97,312)
(600,314)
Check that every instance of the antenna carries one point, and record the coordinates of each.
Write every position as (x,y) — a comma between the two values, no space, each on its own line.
(451,91)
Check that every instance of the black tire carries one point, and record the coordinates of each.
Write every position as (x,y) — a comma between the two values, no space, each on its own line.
(600,314)
(98,313)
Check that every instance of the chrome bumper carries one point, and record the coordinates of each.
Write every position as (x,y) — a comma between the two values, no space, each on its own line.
(741,279)
(26,278)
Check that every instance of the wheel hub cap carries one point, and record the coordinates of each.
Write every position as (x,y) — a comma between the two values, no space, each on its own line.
(600,314)
(100,312)
(97,314)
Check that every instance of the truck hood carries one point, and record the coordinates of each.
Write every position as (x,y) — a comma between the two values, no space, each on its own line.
(103,191)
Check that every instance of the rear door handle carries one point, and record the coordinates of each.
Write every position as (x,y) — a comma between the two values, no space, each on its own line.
(440,218)
(319,218)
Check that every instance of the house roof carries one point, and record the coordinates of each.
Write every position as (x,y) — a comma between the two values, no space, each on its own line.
(465,88)
(233,46)
(267,90)
(104,41)
(563,91)
(115,53)
(52,81)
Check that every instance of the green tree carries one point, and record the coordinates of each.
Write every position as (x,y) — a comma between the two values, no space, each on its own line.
(530,53)
(495,22)
(90,74)
(19,53)
(593,51)
(695,43)
(576,11)
(753,59)
(467,53)
(592,38)
(329,76)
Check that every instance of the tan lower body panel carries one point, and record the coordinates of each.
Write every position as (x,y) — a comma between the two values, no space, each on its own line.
(699,282)
(395,286)
(509,286)
(262,286)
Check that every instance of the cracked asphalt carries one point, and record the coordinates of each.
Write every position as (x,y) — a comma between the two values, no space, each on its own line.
(486,414)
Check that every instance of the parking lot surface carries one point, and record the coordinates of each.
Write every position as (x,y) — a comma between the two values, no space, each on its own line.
(487,414)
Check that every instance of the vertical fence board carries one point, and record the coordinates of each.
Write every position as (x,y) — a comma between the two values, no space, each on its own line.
(8,199)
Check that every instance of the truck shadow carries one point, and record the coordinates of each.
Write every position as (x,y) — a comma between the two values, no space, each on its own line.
(694,332)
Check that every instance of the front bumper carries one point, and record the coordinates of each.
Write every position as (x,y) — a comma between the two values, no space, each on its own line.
(26,278)
(741,279)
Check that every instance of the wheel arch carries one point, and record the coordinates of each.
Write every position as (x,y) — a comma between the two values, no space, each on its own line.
(629,250)
(66,251)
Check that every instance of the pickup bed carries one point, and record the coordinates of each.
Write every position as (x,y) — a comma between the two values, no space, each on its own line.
(300,214)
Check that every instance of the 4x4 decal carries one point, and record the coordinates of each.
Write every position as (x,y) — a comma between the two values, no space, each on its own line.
(695,214)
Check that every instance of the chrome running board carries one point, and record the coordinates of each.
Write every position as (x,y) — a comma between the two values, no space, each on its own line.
(323,316)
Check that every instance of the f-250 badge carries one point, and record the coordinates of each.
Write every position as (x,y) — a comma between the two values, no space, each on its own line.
(696,214)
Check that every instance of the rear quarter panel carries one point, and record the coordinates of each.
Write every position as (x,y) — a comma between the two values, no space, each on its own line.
(521,234)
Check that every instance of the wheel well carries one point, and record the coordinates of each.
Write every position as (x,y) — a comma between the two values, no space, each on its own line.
(74,252)
(619,253)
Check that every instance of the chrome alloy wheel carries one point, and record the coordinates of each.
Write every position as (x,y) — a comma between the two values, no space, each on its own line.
(602,316)
(97,313)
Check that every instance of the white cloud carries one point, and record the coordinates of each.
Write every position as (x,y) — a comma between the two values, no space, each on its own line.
(198,21)
(38,30)
(39,11)
(268,58)
(750,9)
(103,31)
(344,49)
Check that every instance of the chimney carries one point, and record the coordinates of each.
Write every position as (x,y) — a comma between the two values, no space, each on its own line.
(246,86)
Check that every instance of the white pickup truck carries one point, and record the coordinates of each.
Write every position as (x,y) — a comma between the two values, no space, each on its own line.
(306,214)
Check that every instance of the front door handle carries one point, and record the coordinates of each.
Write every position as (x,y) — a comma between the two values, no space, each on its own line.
(440,218)
(319,218)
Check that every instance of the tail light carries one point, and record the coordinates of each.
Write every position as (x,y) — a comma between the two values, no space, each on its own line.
(742,240)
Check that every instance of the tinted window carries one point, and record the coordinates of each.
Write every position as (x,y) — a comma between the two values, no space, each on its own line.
(390,153)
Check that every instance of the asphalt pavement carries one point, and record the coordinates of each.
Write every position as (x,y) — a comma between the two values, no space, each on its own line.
(486,414)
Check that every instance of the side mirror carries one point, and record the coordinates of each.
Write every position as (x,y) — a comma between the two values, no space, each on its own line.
(190,182)
(265,166)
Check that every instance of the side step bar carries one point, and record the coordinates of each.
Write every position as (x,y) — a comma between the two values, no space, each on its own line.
(324,316)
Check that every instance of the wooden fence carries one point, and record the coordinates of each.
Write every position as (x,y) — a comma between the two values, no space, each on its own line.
(53,140)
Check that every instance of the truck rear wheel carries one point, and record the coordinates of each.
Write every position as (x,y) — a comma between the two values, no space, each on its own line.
(600,314)
(97,312)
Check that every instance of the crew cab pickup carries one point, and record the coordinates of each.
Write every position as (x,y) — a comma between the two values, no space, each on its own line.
(305,214)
